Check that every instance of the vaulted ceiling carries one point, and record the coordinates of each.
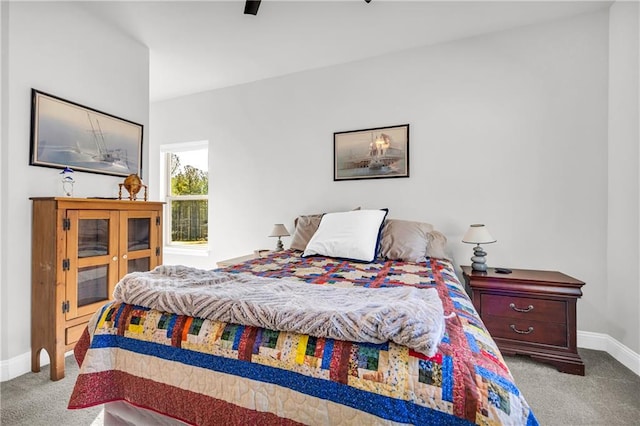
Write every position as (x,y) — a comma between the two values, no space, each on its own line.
(204,45)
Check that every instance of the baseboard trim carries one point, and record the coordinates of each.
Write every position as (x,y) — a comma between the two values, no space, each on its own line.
(606,343)
(21,364)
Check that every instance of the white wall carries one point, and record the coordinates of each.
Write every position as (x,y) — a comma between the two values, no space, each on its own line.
(623,278)
(508,129)
(59,49)
(4,113)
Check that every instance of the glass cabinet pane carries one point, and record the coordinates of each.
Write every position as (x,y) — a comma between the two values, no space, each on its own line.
(93,284)
(93,237)
(138,233)
(138,265)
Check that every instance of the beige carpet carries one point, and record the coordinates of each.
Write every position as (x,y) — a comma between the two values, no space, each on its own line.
(34,400)
(609,394)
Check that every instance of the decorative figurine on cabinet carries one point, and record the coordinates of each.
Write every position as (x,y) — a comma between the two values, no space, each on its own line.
(67,181)
(132,184)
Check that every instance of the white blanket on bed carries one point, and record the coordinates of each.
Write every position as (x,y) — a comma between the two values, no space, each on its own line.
(405,315)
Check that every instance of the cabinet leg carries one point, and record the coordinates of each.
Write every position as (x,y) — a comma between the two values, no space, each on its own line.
(35,360)
(57,366)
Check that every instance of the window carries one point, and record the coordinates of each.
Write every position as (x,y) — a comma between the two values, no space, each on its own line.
(187,195)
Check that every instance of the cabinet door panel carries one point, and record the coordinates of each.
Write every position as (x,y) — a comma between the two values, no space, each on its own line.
(92,253)
(139,230)
(93,285)
(139,240)
(139,265)
(93,237)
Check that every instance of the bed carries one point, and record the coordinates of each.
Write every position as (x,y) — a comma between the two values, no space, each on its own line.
(170,367)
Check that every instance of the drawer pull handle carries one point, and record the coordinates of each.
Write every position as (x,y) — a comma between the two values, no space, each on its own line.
(513,327)
(527,309)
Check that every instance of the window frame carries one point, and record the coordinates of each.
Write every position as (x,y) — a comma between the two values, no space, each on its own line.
(165,152)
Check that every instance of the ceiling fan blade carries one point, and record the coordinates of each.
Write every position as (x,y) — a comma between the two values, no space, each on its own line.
(251,7)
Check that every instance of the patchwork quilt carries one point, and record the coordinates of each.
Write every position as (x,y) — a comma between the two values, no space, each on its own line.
(208,372)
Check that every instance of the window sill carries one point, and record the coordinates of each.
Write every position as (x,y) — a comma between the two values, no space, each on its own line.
(202,252)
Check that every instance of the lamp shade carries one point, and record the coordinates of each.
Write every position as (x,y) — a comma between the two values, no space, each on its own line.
(478,234)
(279,230)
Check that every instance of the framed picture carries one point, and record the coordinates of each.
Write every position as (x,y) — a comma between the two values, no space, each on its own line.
(381,152)
(65,134)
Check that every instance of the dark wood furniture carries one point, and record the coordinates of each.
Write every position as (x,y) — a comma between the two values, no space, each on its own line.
(530,312)
(80,249)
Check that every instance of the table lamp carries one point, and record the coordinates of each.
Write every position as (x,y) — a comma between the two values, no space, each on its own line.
(279,231)
(478,234)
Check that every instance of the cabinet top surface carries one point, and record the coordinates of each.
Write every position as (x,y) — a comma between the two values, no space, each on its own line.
(95,200)
(522,275)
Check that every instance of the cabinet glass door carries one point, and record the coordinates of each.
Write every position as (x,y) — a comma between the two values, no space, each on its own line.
(139,265)
(139,244)
(92,256)
(93,237)
(138,233)
(93,285)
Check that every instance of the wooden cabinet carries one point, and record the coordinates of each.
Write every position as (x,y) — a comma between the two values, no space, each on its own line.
(80,250)
(530,312)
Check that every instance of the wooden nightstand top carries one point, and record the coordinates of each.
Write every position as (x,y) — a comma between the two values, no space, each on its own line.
(524,275)
(241,259)
(524,280)
(234,261)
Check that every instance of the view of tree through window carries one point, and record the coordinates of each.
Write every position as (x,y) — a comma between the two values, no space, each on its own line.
(188,197)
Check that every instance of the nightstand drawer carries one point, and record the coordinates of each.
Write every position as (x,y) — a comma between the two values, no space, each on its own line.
(524,308)
(526,330)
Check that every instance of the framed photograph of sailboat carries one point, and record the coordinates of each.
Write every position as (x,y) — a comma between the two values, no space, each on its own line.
(381,152)
(66,134)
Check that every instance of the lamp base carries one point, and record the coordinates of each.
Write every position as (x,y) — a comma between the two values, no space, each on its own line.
(279,246)
(480,267)
(478,261)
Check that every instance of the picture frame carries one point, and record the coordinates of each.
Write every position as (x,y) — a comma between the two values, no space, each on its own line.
(376,153)
(67,134)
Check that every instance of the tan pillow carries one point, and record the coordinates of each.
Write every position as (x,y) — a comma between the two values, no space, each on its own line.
(306,226)
(437,247)
(405,240)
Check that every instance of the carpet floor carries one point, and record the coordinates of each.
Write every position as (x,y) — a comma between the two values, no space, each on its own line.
(609,394)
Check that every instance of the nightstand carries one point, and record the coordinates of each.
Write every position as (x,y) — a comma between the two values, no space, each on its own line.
(531,313)
(241,259)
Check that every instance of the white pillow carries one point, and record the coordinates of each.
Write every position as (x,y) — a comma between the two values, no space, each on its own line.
(352,235)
